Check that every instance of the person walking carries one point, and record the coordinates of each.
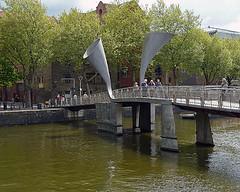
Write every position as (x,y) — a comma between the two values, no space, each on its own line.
(158,83)
(144,83)
(136,84)
(151,88)
(144,88)
(151,83)
(224,86)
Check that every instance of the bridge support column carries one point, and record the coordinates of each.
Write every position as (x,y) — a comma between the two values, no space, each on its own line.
(109,117)
(153,116)
(135,118)
(203,129)
(147,117)
(168,132)
(72,115)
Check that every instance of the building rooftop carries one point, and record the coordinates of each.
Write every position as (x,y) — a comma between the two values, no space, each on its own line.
(223,33)
(1,13)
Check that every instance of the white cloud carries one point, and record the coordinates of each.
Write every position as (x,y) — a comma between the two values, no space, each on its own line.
(213,12)
(224,13)
(88,5)
(233,25)
(55,7)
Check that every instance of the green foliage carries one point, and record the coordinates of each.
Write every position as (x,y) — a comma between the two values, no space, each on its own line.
(74,33)
(172,19)
(178,52)
(26,34)
(217,60)
(8,75)
(213,59)
(123,32)
(233,46)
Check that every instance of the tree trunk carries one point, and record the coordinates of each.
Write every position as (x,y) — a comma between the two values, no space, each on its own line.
(87,84)
(207,81)
(229,79)
(27,94)
(30,98)
(133,77)
(5,97)
(174,77)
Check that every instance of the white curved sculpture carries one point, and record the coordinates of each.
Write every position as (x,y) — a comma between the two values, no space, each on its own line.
(153,42)
(96,56)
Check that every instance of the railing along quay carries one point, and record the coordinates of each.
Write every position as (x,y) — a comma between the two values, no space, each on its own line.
(203,96)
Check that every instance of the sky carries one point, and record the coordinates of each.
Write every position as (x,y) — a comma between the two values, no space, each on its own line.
(217,13)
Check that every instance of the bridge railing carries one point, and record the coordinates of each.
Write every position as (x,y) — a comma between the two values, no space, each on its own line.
(204,96)
(83,100)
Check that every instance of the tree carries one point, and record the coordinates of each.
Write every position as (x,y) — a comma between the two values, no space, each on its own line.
(26,34)
(8,76)
(172,20)
(75,32)
(215,61)
(233,46)
(123,32)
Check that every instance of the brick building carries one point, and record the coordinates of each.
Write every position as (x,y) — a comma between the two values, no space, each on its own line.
(64,79)
(122,76)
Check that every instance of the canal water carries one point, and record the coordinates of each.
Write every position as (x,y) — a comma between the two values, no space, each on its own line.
(73,157)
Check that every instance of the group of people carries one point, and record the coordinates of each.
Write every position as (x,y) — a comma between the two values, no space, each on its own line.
(61,99)
(151,83)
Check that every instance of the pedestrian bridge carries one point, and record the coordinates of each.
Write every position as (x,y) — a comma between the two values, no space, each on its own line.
(200,99)
(213,99)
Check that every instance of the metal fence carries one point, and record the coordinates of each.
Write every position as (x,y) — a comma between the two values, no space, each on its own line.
(8,105)
(203,96)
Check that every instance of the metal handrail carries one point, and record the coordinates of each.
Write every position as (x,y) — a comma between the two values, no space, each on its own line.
(204,96)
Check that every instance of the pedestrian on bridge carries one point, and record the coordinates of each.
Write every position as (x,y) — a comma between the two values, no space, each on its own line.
(144,83)
(224,83)
(136,89)
(136,84)
(152,88)
(158,83)
(151,83)
(144,86)
(224,86)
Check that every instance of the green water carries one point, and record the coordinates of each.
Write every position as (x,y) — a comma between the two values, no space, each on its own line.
(74,157)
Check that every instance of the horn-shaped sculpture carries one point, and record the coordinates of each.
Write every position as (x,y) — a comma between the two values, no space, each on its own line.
(96,56)
(153,42)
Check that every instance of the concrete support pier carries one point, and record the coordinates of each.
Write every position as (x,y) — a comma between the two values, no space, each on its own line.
(147,117)
(153,116)
(168,132)
(135,118)
(109,117)
(203,129)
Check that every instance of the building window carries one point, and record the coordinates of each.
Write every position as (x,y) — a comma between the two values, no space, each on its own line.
(124,72)
(169,80)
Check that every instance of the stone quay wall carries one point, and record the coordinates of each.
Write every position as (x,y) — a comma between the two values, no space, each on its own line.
(38,116)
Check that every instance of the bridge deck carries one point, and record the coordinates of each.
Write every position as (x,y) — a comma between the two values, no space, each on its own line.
(195,98)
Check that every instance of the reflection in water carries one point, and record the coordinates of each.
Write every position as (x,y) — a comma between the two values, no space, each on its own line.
(75,157)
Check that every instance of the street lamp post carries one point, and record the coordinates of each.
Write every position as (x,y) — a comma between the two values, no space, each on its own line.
(80,88)
(73,87)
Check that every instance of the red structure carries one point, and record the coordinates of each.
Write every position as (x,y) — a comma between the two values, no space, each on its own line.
(124,74)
